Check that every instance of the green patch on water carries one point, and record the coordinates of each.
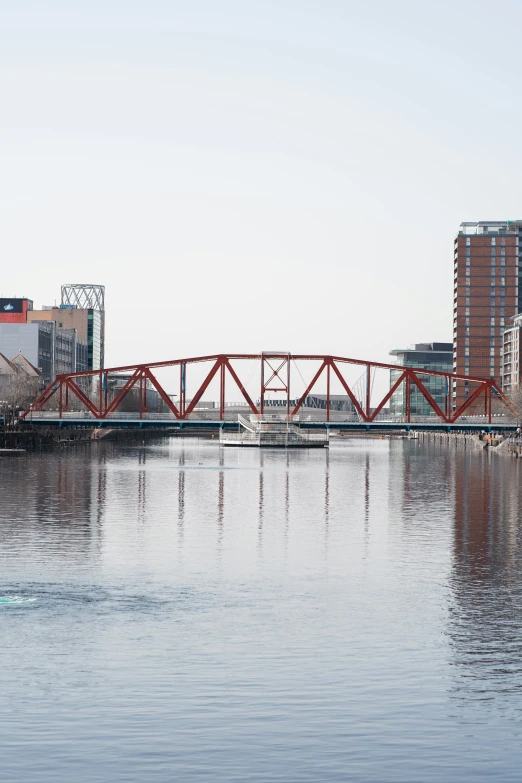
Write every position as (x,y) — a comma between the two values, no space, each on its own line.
(15,600)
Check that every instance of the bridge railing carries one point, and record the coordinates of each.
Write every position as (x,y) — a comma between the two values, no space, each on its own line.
(317,417)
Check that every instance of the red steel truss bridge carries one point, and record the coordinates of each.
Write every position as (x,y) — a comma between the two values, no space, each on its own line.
(100,395)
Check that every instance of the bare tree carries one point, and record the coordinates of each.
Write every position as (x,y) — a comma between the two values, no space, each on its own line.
(22,389)
(515,404)
(17,391)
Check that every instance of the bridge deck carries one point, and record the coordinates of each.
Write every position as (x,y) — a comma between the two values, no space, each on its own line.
(217,424)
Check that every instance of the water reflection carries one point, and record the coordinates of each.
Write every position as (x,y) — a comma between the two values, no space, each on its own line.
(220,506)
(287,503)
(485,615)
(60,510)
(142,485)
(181,497)
(261,503)
(357,606)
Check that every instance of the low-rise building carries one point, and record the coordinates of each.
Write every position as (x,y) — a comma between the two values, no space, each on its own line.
(82,309)
(427,356)
(511,344)
(47,347)
(19,383)
(14,310)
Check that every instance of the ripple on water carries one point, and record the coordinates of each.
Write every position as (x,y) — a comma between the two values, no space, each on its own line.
(15,600)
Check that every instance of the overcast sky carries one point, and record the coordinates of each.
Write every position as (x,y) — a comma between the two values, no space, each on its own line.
(254,175)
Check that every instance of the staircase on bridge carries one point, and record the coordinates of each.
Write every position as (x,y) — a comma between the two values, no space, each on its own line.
(273,431)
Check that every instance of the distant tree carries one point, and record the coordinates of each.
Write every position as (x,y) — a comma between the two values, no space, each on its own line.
(21,390)
(515,402)
(17,392)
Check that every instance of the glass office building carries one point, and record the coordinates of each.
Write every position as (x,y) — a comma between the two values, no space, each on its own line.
(426,356)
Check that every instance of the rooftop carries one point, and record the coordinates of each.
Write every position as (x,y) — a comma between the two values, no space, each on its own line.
(490,227)
(424,348)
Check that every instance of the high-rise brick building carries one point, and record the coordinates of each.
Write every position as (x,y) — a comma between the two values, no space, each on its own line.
(486,297)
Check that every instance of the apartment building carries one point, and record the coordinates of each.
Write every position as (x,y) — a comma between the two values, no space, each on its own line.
(486,297)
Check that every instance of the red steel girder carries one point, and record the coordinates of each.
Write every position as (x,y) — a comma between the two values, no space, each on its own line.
(349,392)
(200,392)
(162,393)
(385,399)
(44,397)
(123,392)
(309,387)
(476,394)
(143,374)
(432,403)
(275,374)
(241,387)
(253,356)
(83,398)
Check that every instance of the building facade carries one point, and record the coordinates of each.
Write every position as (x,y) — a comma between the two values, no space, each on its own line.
(86,323)
(486,296)
(426,356)
(47,347)
(511,365)
(35,342)
(90,297)
(19,383)
(14,311)
(56,340)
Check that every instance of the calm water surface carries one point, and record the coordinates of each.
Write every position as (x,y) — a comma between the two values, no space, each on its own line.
(176,612)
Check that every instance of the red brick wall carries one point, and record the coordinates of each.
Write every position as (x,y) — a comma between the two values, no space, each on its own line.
(15,318)
(479,281)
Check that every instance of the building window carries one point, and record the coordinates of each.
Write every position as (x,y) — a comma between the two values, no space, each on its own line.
(502,281)
(468,241)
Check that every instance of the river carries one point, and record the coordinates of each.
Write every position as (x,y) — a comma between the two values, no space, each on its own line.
(175,612)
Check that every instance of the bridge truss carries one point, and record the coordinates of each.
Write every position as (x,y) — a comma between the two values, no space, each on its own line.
(91,390)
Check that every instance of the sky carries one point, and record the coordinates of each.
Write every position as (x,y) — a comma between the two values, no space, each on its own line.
(247,176)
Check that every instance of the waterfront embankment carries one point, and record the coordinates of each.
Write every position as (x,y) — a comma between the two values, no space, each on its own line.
(510,446)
